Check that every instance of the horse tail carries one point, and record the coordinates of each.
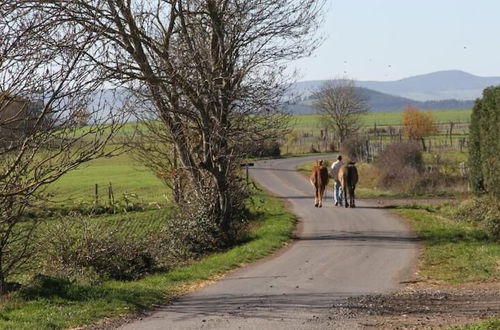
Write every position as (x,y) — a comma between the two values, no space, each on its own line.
(323,175)
(351,175)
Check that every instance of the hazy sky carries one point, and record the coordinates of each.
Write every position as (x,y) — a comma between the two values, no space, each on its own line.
(394,39)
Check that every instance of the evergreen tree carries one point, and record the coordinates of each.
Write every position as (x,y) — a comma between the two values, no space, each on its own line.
(490,136)
(484,147)
(475,168)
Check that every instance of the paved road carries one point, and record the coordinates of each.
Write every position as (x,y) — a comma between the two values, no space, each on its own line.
(338,253)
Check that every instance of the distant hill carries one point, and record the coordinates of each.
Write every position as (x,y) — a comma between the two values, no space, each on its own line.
(442,85)
(435,86)
(378,101)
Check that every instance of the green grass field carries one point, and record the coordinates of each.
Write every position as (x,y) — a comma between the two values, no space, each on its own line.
(126,176)
(385,118)
(305,130)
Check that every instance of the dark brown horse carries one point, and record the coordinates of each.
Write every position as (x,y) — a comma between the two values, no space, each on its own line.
(319,179)
(348,176)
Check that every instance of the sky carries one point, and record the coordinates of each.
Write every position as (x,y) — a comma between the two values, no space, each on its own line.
(394,39)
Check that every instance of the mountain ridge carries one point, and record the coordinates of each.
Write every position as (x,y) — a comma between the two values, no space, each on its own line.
(378,101)
(434,86)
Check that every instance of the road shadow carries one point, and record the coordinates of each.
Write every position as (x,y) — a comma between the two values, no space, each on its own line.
(374,207)
(272,169)
(297,197)
(363,236)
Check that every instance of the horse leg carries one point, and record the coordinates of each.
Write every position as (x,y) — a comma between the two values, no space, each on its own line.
(344,191)
(320,197)
(351,196)
(316,193)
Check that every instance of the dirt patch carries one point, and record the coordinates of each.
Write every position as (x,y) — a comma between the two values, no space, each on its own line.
(423,308)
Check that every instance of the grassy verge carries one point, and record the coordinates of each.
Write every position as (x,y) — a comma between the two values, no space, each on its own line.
(492,324)
(57,304)
(455,252)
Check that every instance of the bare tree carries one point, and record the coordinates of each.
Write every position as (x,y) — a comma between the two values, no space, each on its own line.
(44,82)
(210,72)
(341,106)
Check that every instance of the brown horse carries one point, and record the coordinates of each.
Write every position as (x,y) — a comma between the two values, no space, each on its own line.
(319,179)
(348,176)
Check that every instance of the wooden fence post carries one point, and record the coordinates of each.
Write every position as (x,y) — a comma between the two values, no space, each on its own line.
(111,196)
(96,194)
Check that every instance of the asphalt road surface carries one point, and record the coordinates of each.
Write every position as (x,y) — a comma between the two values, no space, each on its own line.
(338,253)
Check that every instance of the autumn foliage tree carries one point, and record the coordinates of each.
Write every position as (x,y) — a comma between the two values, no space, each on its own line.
(417,125)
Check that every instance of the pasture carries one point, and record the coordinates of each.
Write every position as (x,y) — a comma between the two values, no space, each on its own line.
(309,134)
(128,178)
(385,118)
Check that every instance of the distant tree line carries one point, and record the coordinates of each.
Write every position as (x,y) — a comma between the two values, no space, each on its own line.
(484,150)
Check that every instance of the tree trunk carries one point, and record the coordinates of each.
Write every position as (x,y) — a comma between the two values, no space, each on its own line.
(424,148)
(224,205)
(3,284)
(225,211)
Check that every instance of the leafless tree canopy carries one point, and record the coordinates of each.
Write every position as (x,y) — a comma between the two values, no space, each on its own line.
(211,71)
(44,82)
(340,105)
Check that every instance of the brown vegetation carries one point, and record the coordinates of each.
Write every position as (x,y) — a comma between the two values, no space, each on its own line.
(400,167)
(417,125)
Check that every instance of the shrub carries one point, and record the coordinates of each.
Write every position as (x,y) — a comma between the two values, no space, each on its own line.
(484,212)
(332,147)
(81,248)
(189,235)
(354,148)
(368,173)
(265,149)
(313,149)
(193,233)
(195,228)
(400,166)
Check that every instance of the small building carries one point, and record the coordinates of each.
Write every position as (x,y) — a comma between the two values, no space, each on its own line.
(18,117)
